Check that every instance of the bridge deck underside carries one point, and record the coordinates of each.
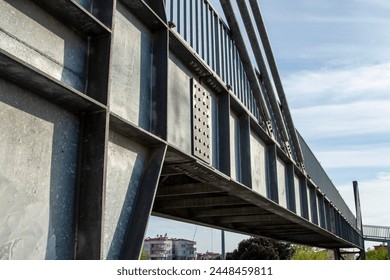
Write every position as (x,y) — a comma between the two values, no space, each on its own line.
(193,192)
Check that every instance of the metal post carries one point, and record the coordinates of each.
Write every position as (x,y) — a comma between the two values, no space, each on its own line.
(337,254)
(223,254)
(359,220)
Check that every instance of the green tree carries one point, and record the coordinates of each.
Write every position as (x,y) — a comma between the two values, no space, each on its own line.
(379,254)
(144,255)
(257,248)
(310,253)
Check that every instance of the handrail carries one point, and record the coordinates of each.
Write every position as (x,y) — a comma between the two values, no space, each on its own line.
(203,29)
(376,232)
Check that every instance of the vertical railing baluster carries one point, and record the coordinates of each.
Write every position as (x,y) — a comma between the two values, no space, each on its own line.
(208,46)
(197,26)
(217,39)
(230,61)
(171,13)
(223,48)
(178,24)
(226,56)
(212,31)
(234,69)
(240,77)
(191,22)
(203,31)
(236,88)
(185,21)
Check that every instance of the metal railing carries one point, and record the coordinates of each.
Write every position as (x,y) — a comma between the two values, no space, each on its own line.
(201,27)
(321,179)
(376,233)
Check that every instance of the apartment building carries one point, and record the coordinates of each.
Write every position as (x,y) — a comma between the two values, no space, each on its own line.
(165,248)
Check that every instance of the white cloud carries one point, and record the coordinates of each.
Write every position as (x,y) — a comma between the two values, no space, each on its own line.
(366,156)
(329,85)
(355,119)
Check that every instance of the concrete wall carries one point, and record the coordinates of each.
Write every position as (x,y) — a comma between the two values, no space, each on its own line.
(32,35)
(125,166)
(38,151)
(131,64)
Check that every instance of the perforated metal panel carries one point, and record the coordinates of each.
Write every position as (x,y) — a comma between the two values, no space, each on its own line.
(201,122)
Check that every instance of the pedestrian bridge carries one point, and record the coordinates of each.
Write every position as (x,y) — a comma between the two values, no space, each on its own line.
(376,233)
(115,110)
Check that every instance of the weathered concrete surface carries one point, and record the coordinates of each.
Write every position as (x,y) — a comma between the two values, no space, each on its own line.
(281,171)
(179,105)
(258,164)
(38,151)
(131,71)
(235,152)
(297,195)
(32,35)
(125,166)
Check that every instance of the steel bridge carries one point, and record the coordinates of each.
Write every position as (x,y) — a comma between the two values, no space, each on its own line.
(111,111)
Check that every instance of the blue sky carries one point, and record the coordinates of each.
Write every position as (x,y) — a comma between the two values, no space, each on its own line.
(334,61)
